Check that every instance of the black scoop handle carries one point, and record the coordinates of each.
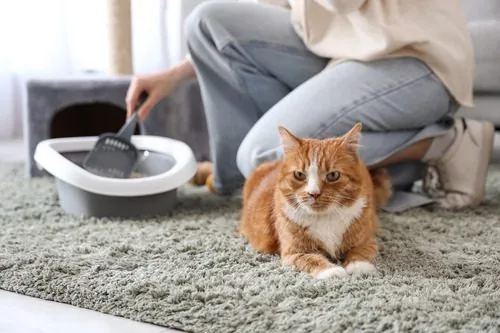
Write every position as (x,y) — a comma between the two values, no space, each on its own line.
(128,128)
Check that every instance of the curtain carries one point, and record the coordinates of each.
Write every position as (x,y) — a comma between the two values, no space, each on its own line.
(55,38)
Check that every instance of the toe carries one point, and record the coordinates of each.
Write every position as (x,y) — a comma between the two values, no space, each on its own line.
(203,171)
(360,268)
(331,272)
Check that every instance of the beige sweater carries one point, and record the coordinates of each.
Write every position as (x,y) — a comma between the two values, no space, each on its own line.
(433,31)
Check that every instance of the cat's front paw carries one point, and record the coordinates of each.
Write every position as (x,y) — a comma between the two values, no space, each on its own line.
(360,268)
(335,271)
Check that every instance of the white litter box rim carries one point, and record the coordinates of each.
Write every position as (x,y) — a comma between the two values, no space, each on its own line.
(48,156)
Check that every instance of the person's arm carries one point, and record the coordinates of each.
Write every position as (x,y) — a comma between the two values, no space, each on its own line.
(341,6)
(184,70)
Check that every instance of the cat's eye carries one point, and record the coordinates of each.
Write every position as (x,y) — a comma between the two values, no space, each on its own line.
(333,176)
(299,175)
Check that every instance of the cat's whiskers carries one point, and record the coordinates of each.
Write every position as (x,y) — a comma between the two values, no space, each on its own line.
(334,208)
(294,208)
(343,197)
(339,194)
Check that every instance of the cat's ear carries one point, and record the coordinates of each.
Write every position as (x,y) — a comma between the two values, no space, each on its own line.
(288,140)
(351,139)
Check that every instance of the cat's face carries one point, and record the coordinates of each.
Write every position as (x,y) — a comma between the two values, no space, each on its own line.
(320,175)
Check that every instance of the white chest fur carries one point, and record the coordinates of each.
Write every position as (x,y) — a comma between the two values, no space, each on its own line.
(327,227)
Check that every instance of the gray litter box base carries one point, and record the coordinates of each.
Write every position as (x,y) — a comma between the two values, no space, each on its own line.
(79,202)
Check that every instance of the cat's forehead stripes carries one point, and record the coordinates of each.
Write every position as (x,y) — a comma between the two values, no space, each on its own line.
(321,157)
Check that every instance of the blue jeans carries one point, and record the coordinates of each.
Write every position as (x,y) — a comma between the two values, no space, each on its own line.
(255,74)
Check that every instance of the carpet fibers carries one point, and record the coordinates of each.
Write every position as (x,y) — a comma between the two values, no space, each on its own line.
(438,271)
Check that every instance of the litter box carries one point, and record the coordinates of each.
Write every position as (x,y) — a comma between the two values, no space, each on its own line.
(151,191)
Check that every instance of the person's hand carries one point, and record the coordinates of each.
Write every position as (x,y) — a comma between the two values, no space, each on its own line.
(157,86)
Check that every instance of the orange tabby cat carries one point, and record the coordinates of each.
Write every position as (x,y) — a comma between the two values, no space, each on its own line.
(316,206)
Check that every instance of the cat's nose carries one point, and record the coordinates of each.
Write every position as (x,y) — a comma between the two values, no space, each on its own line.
(314,195)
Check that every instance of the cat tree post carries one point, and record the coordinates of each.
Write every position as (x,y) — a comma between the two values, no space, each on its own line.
(120,37)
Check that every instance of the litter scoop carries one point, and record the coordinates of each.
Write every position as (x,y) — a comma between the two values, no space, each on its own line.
(114,155)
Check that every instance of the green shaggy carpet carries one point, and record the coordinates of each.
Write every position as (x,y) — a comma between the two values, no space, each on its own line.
(439,271)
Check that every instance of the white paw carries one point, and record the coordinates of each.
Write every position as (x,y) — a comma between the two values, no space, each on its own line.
(335,271)
(360,268)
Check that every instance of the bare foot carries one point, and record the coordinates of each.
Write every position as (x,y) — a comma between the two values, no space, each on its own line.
(203,176)
(203,171)
(210,184)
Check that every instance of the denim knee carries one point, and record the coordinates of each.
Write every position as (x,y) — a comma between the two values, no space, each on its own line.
(245,158)
(251,154)
(201,15)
